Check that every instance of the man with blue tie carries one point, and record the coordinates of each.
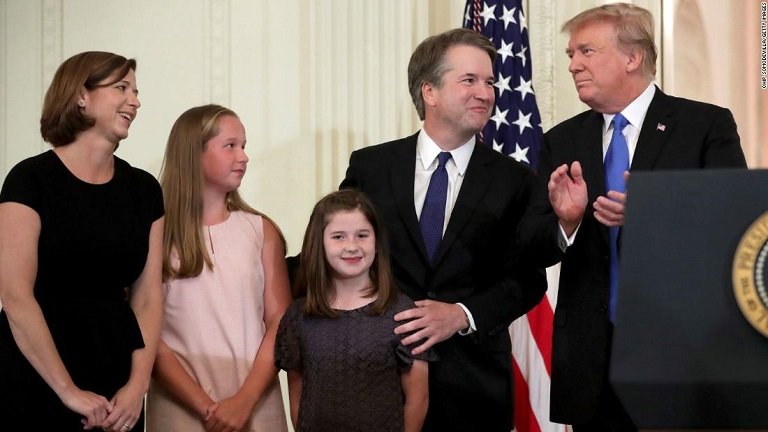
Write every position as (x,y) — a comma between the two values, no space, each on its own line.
(585,160)
(452,207)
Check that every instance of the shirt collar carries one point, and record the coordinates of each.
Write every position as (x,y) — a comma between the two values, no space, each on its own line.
(636,110)
(428,150)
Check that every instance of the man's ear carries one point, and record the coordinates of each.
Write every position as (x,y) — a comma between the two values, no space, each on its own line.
(635,58)
(428,93)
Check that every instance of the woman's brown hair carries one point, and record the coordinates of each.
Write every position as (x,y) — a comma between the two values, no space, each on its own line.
(62,119)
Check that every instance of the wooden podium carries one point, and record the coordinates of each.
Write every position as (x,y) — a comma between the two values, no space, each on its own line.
(685,355)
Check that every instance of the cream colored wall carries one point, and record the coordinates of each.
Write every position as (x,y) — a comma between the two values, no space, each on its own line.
(311,80)
(712,48)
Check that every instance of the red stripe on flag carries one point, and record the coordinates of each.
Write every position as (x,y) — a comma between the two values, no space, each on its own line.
(525,418)
(540,320)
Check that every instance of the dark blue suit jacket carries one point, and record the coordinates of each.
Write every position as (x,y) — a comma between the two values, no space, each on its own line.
(676,134)
(478,263)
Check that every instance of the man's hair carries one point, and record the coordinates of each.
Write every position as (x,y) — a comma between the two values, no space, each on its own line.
(427,64)
(633,24)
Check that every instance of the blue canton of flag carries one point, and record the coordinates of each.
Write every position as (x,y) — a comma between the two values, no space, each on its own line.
(515,126)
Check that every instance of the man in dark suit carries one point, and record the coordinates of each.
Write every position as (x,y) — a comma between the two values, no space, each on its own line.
(471,284)
(613,63)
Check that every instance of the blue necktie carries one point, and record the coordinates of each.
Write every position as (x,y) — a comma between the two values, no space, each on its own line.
(433,212)
(616,162)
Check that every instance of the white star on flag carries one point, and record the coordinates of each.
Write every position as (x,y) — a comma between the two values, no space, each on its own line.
(521,54)
(500,117)
(487,13)
(523,121)
(520,154)
(505,51)
(498,147)
(524,88)
(503,84)
(508,17)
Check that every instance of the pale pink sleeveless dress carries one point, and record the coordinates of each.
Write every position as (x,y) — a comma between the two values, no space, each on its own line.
(214,324)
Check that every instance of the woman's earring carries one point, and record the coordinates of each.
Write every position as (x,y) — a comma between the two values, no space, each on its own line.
(81,103)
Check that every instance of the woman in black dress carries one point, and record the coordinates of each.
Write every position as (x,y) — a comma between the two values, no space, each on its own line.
(80,261)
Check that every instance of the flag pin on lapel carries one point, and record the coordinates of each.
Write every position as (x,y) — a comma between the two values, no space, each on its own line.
(661,127)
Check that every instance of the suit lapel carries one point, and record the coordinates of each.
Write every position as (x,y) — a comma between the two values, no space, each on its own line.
(657,128)
(589,143)
(401,176)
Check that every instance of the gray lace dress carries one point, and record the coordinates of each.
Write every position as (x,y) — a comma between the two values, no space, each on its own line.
(350,366)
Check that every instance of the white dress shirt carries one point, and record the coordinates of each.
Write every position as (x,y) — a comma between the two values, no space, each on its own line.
(635,114)
(426,164)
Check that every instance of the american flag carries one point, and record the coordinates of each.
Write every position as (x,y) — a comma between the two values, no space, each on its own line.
(515,130)
(515,127)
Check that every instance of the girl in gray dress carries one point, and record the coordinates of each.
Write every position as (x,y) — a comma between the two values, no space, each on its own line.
(347,369)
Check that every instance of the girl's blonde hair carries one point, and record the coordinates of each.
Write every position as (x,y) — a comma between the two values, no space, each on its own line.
(182,181)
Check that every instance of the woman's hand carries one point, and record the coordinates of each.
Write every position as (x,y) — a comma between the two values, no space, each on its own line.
(229,415)
(93,407)
(127,402)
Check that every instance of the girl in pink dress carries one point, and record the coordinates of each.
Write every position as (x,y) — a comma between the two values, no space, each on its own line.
(226,287)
